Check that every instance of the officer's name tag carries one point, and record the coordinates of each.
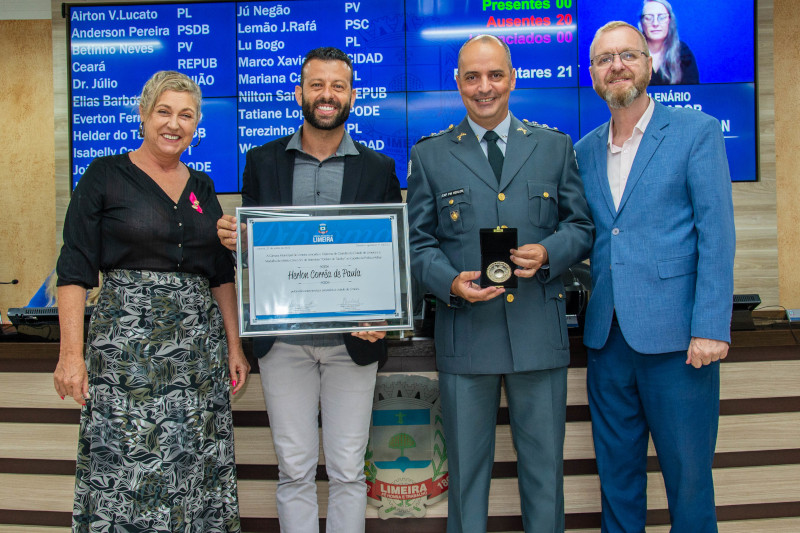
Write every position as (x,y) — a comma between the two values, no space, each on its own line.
(450,194)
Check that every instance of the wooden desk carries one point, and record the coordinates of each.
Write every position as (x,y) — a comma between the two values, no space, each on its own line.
(757,466)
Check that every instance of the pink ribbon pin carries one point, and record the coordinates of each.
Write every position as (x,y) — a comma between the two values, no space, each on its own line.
(195,202)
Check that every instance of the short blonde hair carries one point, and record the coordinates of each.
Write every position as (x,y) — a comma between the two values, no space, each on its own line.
(613,25)
(168,80)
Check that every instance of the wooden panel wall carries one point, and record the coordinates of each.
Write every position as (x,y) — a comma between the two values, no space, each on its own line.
(787,146)
(757,269)
(27,201)
(756,467)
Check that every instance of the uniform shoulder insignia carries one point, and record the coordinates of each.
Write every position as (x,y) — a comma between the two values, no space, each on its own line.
(436,134)
(534,124)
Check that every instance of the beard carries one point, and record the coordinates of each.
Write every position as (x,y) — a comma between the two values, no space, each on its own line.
(623,99)
(329,123)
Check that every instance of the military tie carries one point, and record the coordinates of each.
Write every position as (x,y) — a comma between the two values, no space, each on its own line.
(495,154)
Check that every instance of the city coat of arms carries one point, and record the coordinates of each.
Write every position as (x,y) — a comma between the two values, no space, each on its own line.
(406,460)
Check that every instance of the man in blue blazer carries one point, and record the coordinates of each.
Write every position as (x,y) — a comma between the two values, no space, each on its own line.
(658,320)
(485,336)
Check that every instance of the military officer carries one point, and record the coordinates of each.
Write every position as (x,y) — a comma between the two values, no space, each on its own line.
(493,170)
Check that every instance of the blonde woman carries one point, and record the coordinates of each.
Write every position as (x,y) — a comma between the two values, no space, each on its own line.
(155,449)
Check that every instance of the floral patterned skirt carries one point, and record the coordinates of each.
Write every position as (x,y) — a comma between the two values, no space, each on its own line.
(155,451)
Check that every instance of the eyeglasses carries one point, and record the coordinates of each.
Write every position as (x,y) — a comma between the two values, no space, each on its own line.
(661,17)
(627,56)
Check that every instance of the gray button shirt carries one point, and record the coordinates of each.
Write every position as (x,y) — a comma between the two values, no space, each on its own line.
(316,182)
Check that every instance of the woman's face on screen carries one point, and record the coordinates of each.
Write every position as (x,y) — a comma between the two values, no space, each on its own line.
(655,21)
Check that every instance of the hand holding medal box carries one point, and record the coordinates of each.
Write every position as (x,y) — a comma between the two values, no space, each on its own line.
(496,267)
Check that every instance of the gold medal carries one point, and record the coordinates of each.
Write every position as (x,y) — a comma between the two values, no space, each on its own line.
(498,272)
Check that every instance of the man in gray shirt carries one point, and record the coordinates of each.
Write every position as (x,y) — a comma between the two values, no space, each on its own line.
(320,164)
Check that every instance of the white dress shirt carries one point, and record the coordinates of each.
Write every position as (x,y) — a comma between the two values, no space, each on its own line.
(620,159)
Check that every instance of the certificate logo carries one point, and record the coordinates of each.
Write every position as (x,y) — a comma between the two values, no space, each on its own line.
(406,459)
(322,236)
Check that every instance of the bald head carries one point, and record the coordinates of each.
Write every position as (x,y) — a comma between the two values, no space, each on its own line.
(485,38)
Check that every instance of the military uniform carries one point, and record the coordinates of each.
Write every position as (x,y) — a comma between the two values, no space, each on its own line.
(520,336)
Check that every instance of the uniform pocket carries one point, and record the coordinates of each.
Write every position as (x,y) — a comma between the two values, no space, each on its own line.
(543,204)
(456,213)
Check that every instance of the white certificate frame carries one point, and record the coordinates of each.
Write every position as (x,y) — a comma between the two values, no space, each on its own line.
(323,269)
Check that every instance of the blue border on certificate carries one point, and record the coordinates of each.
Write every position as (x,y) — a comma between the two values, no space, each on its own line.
(321,232)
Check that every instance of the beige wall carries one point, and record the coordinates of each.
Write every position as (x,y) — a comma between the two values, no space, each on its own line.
(760,268)
(787,148)
(756,267)
(27,201)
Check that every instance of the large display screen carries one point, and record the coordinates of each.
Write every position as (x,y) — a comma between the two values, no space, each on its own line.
(246,58)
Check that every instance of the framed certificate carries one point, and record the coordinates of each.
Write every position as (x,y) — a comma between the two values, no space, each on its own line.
(322,269)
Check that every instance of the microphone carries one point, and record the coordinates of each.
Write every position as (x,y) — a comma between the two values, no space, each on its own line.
(12,282)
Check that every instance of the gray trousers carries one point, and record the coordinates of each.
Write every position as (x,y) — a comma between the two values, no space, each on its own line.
(298,381)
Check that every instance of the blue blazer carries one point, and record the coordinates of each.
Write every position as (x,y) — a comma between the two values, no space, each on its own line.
(452,193)
(664,260)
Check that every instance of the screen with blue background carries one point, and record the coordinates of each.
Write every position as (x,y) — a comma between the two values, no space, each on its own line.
(246,57)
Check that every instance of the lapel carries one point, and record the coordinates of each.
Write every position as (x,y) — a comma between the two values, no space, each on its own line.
(519,148)
(467,149)
(285,171)
(601,167)
(353,173)
(653,135)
